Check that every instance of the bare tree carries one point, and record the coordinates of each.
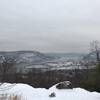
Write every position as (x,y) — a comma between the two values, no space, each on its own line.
(6,67)
(95,48)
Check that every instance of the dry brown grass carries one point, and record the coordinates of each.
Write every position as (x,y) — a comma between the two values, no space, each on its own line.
(10,97)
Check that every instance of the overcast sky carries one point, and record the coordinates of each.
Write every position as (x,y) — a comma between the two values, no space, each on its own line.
(49,25)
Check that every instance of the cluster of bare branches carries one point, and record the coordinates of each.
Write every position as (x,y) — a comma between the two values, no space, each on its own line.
(95,48)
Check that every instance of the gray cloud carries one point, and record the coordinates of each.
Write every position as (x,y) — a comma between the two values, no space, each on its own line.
(49,25)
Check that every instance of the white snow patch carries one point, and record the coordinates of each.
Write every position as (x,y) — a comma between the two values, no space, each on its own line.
(30,93)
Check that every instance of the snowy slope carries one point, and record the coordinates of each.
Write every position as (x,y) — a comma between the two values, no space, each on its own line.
(30,93)
(26,56)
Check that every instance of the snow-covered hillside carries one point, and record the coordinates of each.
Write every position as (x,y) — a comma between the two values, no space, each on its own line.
(26,56)
(29,93)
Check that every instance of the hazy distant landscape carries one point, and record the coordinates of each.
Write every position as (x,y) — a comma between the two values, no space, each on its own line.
(31,59)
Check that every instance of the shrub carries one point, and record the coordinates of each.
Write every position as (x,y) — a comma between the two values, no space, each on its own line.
(52,94)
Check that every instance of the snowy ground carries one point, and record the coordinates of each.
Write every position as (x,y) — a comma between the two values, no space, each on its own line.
(30,93)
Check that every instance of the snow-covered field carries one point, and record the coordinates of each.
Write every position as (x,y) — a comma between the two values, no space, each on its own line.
(29,93)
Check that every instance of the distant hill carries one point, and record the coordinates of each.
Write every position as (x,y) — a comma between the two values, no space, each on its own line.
(28,57)
(67,56)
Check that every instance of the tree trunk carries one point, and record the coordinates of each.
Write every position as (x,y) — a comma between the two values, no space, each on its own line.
(98,58)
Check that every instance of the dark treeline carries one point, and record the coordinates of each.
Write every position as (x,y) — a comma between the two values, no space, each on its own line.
(87,78)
